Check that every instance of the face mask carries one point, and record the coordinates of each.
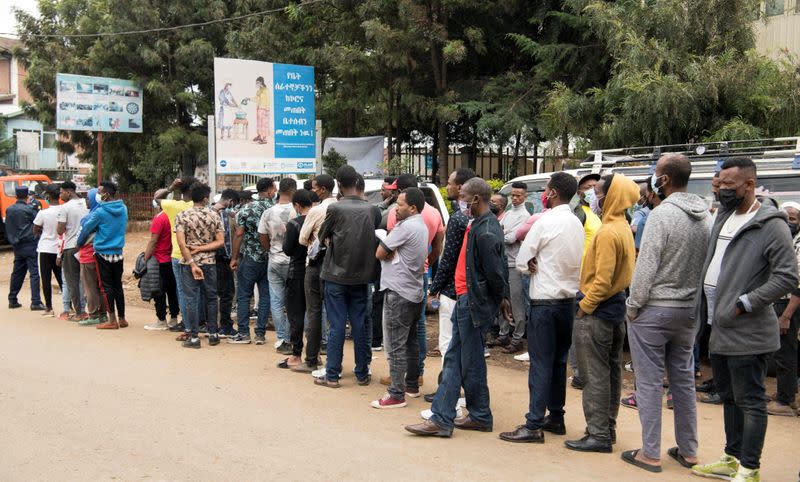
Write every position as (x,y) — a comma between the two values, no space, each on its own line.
(463,207)
(589,195)
(657,187)
(794,228)
(594,203)
(728,198)
(494,208)
(155,204)
(98,198)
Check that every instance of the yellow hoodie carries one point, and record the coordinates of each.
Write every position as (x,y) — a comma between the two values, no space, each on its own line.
(608,263)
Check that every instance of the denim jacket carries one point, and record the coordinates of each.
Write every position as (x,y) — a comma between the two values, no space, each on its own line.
(487,269)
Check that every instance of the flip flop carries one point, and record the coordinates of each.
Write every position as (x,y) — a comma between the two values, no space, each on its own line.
(676,454)
(630,457)
(284,363)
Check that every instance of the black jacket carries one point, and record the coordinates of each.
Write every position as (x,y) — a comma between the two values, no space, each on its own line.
(19,223)
(349,231)
(487,269)
(292,248)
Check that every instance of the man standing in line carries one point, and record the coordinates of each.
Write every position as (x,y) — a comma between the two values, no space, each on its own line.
(552,252)
(226,288)
(45,226)
(481,281)
(251,272)
(402,255)
(271,231)
(200,234)
(322,186)
(69,225)
(96,306)
(19,232)
(660,311)
(160,247)
(109,223)
(443,285)
(389,195)
(599,323)
(348,232)
(739,295)
(789,319)
(513,219)
(295,284)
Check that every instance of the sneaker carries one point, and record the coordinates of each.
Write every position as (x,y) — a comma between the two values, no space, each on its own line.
(523,357)
(712,398)
(323,349)
(747,475)
(388,402)
(261,340)
(38,307)
(192,343)
(363,381)
(48,313)
(779,409)
(160,325)
(78,317)
(428,413)
(725,468)
(203,328)
(629,401)
(320,373)
(377,348)
(89,322)
(284,348)
(576,383)
(239,339)
(173,321)
(413,393)
(486,352)
(670,403)
(177,328)
(213,340)
(12,305)
(629,367)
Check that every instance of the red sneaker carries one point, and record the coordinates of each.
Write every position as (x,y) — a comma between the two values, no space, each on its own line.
(388,402)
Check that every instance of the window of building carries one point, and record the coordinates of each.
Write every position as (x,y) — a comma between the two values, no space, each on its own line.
(774,7)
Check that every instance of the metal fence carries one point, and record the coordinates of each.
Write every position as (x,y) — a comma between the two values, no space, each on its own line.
(140,206)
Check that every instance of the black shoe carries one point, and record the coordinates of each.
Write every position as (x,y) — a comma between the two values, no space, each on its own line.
(706,387)
(284,348)
(613,435)
(38,307)
(203,328)
(712,398)
(576,383)
(191,343)
(502,340)
(589,444)
(179,328)
(13,304)
(429,397)
(523,435)
(213,340)
(365,381)
(323,349)
(557,428)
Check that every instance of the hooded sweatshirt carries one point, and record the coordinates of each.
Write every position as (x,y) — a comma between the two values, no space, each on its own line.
(608,264)
(108,222)
(673,249)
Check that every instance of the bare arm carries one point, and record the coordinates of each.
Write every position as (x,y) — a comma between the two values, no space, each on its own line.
(219,241)
(264,240)
(235,246)
(61,228)
(151,246)
(383,254)
(436,247)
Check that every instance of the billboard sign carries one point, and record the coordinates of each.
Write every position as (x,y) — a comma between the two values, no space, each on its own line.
(265,120)
(98,104)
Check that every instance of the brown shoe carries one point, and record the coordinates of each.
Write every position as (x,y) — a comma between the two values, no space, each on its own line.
(779,409)
(323,382)
(466,423)
(183,337)
(123,323)
(524,435)
(429,428)
(386,381)
(108,326)
(513,348)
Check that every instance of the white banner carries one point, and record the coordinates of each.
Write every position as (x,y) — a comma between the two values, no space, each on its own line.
(363,153)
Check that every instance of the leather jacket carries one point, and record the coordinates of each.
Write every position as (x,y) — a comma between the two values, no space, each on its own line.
(349,231)
(487,269)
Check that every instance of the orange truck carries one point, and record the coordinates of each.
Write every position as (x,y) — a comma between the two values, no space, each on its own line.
(37,183)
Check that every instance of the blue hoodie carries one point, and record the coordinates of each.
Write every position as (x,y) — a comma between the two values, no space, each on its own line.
(108,220)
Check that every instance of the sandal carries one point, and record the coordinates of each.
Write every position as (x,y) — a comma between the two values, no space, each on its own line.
(630,457)
(676,454)
(323,382)
(629,401)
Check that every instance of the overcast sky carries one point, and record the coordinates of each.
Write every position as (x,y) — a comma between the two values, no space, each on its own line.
(8,23)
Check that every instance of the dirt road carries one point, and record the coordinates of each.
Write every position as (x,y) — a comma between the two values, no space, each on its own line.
(80,404)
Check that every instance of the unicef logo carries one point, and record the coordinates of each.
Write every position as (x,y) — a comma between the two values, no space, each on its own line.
(223,163)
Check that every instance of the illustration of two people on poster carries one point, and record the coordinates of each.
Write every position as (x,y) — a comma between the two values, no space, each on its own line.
(230,113)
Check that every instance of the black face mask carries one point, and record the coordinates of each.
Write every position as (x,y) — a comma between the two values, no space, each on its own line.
(728,198)
(794,228)
(494,208)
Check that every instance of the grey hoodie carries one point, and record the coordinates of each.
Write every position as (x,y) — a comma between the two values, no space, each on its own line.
(759,263)
(671,255)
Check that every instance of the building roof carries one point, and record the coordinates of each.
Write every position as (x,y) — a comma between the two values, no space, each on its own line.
(7,44)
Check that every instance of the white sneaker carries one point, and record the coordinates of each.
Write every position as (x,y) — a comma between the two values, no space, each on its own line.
(377,348)
(277,343)
(428,413)
(158,326)
(486,353)
(523,357)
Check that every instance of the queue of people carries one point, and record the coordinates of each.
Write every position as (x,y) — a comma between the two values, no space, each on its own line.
(575,281)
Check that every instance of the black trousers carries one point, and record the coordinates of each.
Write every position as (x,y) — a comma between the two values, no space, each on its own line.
(377,316)
(48,269)
(296,312)
(111,278)
(226,290)
(785,358)
(168,294)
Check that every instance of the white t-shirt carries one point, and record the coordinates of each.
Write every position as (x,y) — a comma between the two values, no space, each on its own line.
(71,213)
(732,226)
(273,222)
(47,219)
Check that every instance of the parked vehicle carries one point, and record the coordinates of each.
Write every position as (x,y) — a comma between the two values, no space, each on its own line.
(37,183)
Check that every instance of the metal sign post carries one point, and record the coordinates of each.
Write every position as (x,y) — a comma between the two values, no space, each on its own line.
(99,157)
(212,155)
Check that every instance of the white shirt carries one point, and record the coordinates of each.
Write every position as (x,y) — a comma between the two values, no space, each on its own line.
(71,213)
(732,226)
(47,219)
(273,223)
(556,241)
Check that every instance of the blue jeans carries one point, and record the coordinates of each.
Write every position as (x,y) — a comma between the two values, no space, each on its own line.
(345,302)
(250,274)
(421,331)
(176,270)
(191,291)
(550,332)
(25,260)
(464,365)
(277,274)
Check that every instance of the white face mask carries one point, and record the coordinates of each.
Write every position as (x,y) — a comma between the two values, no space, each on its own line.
(98,197)
(155,204)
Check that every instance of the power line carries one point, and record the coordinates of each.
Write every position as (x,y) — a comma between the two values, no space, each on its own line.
(168,29)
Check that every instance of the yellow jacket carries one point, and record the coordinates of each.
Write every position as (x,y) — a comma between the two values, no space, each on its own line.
(608,264)
(590,227)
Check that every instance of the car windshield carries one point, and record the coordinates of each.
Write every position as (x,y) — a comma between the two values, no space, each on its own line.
(37,188)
